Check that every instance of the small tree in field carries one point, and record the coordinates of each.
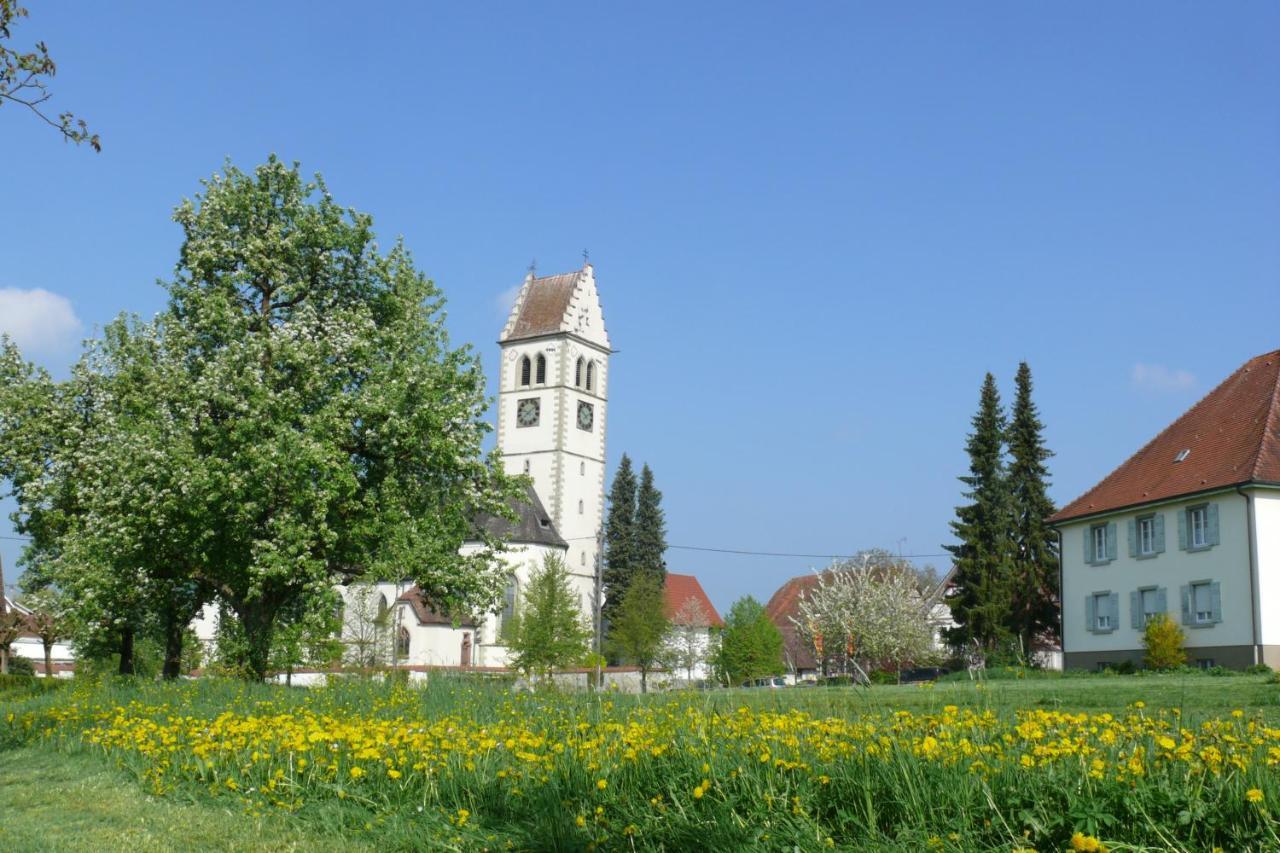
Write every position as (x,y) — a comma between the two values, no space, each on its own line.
(638,631)
(750,644)
(47,621)
(1162,639)
(548,631)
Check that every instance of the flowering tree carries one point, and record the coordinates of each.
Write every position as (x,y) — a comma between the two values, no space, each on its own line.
(869,611)
(688,641)
(47,621)
(294,418)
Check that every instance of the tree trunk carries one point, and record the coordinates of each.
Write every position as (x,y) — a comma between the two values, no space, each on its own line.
(644,680)
(173,630)
(4,660)
(258,620)
(126,651)
(48,659)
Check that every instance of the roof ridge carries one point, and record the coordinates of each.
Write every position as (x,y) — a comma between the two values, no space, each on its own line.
(1132,456)
(1270,429)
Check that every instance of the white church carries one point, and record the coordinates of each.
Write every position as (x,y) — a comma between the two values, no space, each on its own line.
(552,411)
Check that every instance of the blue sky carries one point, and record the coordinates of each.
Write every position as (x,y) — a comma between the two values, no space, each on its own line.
(815,226)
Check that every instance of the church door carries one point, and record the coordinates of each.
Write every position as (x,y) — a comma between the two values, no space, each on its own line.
(466,649)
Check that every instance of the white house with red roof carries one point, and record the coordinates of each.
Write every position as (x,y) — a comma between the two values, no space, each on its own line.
(1188,526)
(694,625)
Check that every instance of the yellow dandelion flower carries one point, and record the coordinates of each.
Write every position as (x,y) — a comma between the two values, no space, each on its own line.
(1253,795)
(601,784)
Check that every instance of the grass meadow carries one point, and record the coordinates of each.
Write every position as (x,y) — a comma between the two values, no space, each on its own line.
(1182,762)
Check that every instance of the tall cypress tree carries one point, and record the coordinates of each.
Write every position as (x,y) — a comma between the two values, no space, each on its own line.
(1035,545)
(619,537)
(651,528)
(983,559)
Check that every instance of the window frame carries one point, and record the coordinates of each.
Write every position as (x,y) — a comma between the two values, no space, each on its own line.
(1147,536)
(1196,612)
(1098,532)
(1098,615)
(1145,615)
(1200,512)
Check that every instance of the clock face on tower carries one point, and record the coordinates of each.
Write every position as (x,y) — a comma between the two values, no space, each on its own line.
(527,412)
(586,416)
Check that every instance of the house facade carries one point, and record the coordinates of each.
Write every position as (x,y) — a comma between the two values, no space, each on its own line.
(1189,526)
(694,623)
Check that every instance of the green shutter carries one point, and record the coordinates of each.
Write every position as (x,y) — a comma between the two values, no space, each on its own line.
(1182,529)
(1215,601)
(1133,537)
(1111,542)
(1159,532)
(1088,545)
(1113,604)
(1135,609)
(1186,605)
(1211,535)
(1162,600)
(1090,613)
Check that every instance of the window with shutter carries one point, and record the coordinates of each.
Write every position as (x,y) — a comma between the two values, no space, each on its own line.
(1198,527)
(1147,536)
(1202,603)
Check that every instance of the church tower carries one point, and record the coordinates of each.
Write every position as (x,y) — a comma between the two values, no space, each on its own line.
(552,407)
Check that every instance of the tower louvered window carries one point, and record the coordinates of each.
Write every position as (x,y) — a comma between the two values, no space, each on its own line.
(577,375)
(542,369)
(591,375)
(525,369)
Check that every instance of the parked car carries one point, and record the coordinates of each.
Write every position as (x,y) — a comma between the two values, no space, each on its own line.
(770,682)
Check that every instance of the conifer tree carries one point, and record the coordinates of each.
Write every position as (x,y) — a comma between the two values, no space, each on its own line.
(983,559)
(1035,545)
(650,528)
(619,537)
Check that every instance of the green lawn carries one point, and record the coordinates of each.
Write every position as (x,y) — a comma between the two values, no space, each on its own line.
(53,800)
(60,792)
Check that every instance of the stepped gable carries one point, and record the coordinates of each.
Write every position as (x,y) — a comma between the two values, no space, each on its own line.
(533,525)
(681,588)
(1231,437)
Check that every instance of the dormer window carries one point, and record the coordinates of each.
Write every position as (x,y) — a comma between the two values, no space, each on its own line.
(1182,454)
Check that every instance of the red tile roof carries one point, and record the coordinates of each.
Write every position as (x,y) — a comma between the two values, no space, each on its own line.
(542,307)
(785,604)
(428,615)
(1232,435)
(681,588)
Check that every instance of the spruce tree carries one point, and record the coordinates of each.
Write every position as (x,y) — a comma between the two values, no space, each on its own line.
(1035,545)
(619,537)
(650,528)
(983,559)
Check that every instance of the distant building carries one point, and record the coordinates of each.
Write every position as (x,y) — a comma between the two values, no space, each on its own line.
(1188,526)
(693,619)
(31,647)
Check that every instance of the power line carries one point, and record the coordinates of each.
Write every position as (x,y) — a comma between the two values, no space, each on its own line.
(745,552)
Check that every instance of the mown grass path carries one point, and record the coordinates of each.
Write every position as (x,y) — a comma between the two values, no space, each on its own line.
(56,801)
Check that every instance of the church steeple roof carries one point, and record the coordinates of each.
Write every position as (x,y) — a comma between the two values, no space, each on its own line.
(556,304)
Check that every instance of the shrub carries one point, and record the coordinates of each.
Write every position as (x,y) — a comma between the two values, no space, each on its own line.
(18,665)
(1257,669)
(1162,639)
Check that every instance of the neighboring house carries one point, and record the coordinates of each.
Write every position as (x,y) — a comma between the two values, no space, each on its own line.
(783,605)
(552,406)
(693,619)
(1188,526)
(29,646)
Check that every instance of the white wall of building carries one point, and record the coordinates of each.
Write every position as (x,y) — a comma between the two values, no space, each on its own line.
(1266,518)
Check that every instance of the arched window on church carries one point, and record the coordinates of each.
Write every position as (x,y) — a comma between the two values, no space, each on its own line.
(525,366)
(542,369)
(580,507)
(577,375)
(402,643)
(508,610)
(591,375)
(526,466)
